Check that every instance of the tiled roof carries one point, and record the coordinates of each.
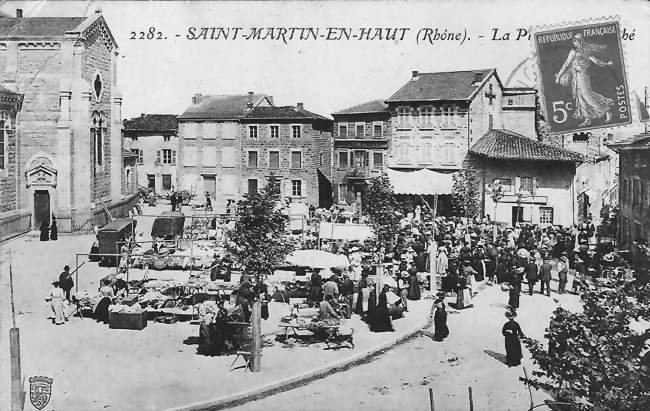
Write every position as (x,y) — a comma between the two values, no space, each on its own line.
(5,90)
(448,85)
(38,26)
(375,106)
(282,112)
(219,107)
(152,122)
(640,141)
(508,145)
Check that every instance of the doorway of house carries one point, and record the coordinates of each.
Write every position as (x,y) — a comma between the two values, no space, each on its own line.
(151,182)
(41,208)
(210,185)
(517,215)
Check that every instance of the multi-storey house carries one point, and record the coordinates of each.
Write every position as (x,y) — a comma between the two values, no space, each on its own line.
(292,145)
(210,143)
(361,143)
(634,192)
(153,140)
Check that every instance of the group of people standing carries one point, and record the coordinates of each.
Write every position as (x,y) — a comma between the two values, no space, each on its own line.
(49,231)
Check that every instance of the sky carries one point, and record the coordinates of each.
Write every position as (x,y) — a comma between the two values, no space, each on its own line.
(160,76)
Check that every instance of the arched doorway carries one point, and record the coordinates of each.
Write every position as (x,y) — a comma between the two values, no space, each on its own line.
(41,207)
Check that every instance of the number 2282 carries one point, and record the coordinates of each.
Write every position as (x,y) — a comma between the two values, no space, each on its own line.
(151,34)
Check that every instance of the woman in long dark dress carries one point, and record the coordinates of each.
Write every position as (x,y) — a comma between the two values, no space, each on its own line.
(380,317)
(414,286)
(512,332)
(515,283)
(54,231)
(440,321)
(45,231)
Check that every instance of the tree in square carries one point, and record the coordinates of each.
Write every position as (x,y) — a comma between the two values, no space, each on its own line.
(598,359)
(382,209)
(465,193)
(260,239)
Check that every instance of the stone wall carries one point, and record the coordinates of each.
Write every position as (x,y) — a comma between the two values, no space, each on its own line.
(8,175)
(308,145)
(13,223)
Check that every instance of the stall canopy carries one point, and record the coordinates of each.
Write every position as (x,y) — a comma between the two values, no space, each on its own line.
(350,232)
(317,259)
(421,182)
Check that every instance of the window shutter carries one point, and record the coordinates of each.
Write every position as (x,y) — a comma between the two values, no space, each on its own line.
(351,158)
(244,186)
(158,157)
(303,188)
(287,188)
(173,157)
(535,183)
(517,184)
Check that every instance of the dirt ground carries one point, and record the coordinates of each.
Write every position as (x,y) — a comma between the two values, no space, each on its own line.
(472,356)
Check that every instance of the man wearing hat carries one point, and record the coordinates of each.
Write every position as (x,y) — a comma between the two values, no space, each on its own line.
(65,281)
(403,287)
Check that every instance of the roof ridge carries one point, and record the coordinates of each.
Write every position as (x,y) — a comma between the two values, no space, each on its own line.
(543,143)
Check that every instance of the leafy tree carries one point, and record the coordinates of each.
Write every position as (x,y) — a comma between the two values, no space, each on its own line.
(595,359)
(382,209)
(260,239)
(465,193)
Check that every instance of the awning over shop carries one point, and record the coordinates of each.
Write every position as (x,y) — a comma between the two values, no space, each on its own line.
(423,182)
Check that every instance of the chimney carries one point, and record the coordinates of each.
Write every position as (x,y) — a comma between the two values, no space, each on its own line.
(142,115)
(98,10)
(478,77)
(249,105)
(415,74)
(300,107)
(19,13)
(197,98)
(250,96)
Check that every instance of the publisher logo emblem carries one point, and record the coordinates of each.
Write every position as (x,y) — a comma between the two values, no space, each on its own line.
(40,391)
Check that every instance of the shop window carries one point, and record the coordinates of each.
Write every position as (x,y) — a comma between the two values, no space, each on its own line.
(343,159)
(378,160)
(546,215)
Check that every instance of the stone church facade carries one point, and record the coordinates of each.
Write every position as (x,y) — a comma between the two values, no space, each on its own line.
(68,144)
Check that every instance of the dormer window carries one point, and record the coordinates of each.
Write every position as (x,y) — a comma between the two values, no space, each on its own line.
(98,86)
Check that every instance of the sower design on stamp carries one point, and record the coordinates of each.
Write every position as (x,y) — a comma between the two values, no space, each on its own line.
(582,77)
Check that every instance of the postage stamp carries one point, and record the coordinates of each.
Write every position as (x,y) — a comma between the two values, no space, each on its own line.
(581,75)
